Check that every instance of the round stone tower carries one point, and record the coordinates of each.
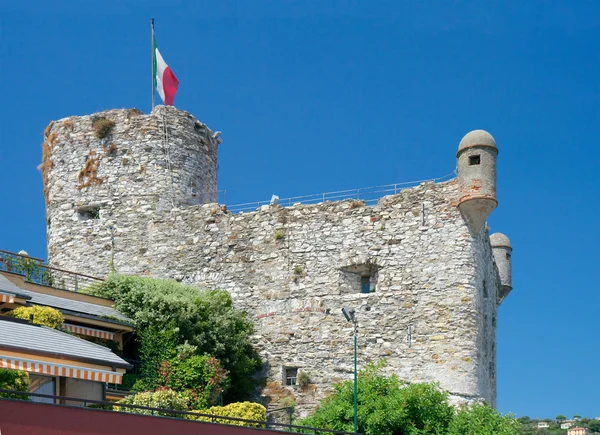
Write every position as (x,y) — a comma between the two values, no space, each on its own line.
(502,255)
(476,156)
(110,170)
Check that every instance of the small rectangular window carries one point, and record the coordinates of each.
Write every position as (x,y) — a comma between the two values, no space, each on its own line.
(358,278)
(87,213)
(474,160)
(508,255)
(291,375)
(365,284)
(485,290)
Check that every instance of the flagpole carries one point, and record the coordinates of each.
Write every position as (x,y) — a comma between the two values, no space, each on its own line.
(153,54)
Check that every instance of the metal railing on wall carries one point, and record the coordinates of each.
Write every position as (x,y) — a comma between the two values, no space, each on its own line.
(289,411)
(370,195)
(36,271)
(161,412)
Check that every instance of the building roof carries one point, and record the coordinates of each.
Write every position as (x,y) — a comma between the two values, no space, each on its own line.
(19,335)
(62,304)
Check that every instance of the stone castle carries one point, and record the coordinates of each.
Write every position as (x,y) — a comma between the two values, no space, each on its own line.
(418,267)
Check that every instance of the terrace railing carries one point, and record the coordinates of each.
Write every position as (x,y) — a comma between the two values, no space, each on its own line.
(129,378)
(36,271)
(160,412)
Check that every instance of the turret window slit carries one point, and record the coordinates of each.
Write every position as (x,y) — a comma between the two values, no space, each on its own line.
(474,160)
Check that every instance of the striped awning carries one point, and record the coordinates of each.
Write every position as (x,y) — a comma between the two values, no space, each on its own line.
(52,369)
(7,298)
(89,331)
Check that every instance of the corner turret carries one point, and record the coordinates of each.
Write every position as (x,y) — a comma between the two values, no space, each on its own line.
(476,156)
(502,255)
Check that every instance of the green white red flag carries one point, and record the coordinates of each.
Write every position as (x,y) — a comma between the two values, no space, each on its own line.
(165,81)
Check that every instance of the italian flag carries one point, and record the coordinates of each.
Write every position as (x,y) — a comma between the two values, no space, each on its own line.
(165,81)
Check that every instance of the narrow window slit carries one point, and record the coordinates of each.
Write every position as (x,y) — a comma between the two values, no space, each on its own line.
(474,160)
(88,213)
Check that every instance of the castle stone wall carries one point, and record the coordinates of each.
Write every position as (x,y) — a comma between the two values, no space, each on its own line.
(293,269)
(130,169)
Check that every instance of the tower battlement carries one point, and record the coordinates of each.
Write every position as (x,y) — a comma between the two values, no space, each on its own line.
(422,277)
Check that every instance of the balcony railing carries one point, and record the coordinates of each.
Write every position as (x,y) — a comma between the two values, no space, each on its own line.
(161,412)
(129,378)
(36,271)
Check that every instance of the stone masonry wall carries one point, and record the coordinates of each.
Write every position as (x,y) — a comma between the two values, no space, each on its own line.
(293,269)
(130,169)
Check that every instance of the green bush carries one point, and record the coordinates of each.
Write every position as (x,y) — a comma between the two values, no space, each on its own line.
(203,376)
(386,406)
(162,399)
(16,380)
(41,315)
(178,367)
(169,314)
(244,410)
(482,420)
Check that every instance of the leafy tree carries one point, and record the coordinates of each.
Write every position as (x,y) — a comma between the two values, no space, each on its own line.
(576,417)
(169,314)
(594,426)
(482,420)
(45,316)
(16,380)
(386,406)
(524,420)
(561,417)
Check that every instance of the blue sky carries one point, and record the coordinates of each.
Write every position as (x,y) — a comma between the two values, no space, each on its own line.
(315,96)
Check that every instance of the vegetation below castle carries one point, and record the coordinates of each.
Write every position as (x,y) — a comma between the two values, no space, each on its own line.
(388,406)
(191,341)
(167,401)
(531,426)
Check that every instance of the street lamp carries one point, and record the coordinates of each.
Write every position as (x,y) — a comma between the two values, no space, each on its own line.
(349,314)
